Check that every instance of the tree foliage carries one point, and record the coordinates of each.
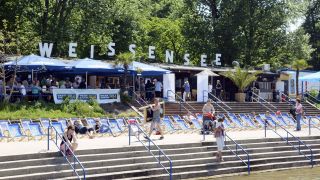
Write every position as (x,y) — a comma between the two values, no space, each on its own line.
(252,32)
(241,78)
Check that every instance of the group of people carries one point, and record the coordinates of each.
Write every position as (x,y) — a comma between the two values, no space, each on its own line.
(147,89)
(35,89)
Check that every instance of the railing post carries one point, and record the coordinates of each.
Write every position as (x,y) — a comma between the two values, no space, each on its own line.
(299,146)
(248,164)
(159,157)
(48,138)
(170,170)
(149,144)
(74,163)
(129,134)
(309,126)
(265,128)
(180,105)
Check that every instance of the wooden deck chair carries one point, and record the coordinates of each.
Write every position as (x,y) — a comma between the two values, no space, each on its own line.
(226,122)
(16,132)
(45,123)
(91,122)
(123,124)
(36,130)
(58,127)
(25,127)
(254,119)
(247,120)
(64,122)
(105,121)
(169,126)
(263,117)
(235,120)
(289,118)
(184,126)
(280,119)
(4,125)
(2,136)
(114,126)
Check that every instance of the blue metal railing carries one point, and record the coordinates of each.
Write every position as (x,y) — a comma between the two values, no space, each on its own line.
(180,101)
(288,142)
(66,146)
(258,98)
(311,124)
(239,148)
(215,97)
(156,156)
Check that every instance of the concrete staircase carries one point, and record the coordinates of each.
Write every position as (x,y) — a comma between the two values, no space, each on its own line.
(189,161)
(237,107)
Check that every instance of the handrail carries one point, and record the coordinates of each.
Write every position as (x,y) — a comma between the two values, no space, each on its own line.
(148,148)
(180,99)
(238,147)
(75,159)
(219,100)
(136,95)
(259,97)
(313,99)
(309,123)
(288,142)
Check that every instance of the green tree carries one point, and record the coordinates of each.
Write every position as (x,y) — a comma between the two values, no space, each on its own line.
(299,64)
(241,78)
(124,60)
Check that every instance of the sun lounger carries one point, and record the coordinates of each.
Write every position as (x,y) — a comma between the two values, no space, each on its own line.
(247,120)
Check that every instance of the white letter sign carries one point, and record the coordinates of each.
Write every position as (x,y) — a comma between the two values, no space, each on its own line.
(203,60)
(169,56)
(151,52)
(218,62)
(72,49)
(92,51)
(186,59)
(45,50)
(131,49)
(112,51)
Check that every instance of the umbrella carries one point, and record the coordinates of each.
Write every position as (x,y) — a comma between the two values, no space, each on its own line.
(34,62)
(93,66)
(146,69)
(207,72)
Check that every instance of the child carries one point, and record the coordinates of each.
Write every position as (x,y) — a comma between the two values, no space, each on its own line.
(219,135)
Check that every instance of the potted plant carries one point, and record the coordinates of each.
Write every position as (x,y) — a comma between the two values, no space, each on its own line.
(242,79)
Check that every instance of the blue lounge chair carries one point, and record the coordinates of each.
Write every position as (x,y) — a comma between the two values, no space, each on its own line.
(45,122)
(255,119)
(235,120)
(25,126)
(183,125)
(196,123)
(91,122)
(58,127)
(115,127)
(279,119)
(15,131)
(247,120)
(313,120)
(64,123)
(169,126)
(2,136)
(105,121)
(288,118)
(259,120)
(36,130)
(122,123)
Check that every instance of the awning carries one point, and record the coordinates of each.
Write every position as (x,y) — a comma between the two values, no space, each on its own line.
(93,66)
(207,72)
(315,77)
(34,62)
(137,68)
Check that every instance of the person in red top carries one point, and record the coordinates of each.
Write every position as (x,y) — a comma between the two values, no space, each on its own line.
(299,111)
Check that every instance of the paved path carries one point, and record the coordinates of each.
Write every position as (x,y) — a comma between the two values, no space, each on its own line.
(13,148)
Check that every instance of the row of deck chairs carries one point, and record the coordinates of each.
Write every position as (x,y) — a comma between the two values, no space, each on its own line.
(178,124)
(38,129)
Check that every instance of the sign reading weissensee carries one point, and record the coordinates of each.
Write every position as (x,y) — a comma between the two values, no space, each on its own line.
(46,49)
(102,96)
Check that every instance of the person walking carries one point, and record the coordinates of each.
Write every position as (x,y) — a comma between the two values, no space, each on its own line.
(186,93)
(299,111)
(156,121)
(218,89)
(208,112)
(219,135)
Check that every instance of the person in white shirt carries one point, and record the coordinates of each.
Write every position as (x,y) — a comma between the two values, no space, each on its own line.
(158,88)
